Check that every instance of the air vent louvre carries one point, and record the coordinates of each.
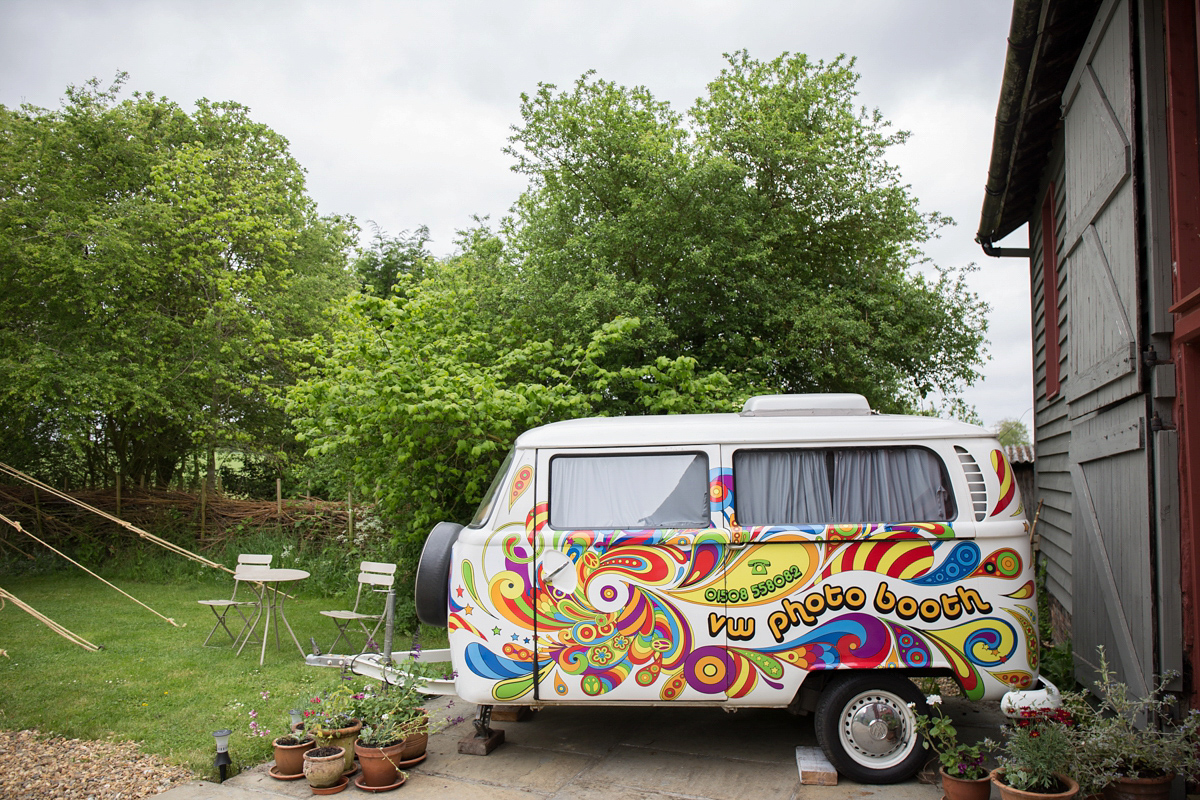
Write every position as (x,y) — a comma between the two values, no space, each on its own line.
(975,481)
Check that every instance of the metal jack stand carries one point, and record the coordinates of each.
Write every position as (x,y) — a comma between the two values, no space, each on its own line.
(484,740)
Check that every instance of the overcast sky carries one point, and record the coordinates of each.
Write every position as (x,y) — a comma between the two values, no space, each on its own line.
(400,110)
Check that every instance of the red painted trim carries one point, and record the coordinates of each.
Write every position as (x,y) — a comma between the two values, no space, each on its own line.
(1187,328)
(1186,304)
(1183,143)
(1050,292)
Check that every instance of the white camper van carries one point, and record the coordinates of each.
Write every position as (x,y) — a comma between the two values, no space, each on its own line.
(806,553)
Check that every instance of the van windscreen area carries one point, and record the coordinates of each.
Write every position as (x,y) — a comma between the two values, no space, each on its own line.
(629,492)
(840,486)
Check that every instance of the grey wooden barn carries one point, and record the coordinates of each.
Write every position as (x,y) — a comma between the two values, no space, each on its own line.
(1095,148)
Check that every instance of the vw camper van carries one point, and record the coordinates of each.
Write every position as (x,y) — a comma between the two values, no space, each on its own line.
(805,553)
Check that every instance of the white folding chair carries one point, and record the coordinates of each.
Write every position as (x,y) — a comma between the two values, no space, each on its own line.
(379,577)
(221,608)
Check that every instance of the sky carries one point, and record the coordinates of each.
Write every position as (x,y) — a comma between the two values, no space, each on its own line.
(400,111)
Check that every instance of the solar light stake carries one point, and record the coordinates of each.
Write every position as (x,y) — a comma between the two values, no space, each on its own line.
(297,716)
(222,761)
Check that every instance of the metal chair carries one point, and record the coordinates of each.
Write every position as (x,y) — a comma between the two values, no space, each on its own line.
(373,574)
(221,608)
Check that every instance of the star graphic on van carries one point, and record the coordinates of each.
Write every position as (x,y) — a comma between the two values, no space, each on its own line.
(496,631)
(460,591)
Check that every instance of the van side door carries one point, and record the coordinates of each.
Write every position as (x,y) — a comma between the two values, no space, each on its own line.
(629,578)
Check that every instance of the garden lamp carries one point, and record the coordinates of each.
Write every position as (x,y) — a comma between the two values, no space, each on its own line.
(297,716)
(222,761)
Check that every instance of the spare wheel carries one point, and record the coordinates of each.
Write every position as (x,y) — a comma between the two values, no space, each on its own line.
(432,594)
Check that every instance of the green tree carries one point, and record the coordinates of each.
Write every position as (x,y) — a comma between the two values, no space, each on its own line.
(161,274)
(380,265)
(1012,432)
(769,239)
(424,391)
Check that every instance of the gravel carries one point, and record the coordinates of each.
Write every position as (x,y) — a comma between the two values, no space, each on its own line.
(33,767)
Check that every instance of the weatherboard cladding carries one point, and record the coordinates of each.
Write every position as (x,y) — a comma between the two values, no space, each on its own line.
(1052,429)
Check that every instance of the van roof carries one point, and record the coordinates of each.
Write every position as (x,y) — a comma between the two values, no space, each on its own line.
(683,429)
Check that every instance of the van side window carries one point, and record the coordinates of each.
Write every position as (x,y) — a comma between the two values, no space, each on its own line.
(668,490)
(834,486)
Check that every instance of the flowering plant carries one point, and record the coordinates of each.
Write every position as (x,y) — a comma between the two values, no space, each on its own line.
(1038,746)
(390,712)
(331,711)
(959,760)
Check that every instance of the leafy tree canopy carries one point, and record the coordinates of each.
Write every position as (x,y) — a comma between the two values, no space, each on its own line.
(382,264)
(1012,432)
(766,236)
(424,391)
(160,274)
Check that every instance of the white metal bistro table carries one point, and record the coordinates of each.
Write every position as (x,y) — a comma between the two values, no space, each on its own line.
(270,604)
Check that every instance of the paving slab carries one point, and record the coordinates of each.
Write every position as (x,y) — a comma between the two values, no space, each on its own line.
(612,753)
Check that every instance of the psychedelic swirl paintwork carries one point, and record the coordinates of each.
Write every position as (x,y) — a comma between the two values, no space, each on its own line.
(736,615)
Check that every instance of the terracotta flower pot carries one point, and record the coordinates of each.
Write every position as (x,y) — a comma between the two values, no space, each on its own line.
(380,765)
(414,746)
(1139,788)
(323,766)
(966,788)
(1009,793)
(289,758)
(343,738)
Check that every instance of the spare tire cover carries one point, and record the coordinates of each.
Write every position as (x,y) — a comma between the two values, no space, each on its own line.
(432,593)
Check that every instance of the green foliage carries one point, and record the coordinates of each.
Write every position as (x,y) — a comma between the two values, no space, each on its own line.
(1057,659)
(1012,432)
(161,275)
(958,759)
(1121,735)
(382,265)
(1037,747)
(770,239)
(423,392)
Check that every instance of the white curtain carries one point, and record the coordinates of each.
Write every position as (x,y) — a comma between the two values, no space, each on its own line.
(629,492)
(888,485)
(822,487)
(782,487)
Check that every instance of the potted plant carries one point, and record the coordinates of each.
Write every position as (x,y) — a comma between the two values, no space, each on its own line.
(289,754)
(1122,751)
(964,776)
(1037,750)
(332,719)
(324,769)
(379,748)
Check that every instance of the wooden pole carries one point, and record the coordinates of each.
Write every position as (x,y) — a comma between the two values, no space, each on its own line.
(279,504)
(350,506)
(203,499)
(118,492)
(1035,542)
(37,510)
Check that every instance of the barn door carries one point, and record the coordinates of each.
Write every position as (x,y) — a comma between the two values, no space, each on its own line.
(1110,472)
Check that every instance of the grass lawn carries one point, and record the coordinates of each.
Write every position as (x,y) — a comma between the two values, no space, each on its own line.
(152,682)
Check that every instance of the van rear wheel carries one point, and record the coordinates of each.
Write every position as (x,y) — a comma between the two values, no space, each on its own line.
(868,732)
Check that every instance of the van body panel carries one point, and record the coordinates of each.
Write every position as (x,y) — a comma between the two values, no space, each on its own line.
(716,613)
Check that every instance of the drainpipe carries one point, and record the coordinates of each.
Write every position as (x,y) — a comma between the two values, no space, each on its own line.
(1002,252)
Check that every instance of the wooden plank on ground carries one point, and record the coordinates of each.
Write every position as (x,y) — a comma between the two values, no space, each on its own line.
(815,769)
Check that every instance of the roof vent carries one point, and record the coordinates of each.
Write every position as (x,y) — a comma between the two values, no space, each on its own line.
(807,405)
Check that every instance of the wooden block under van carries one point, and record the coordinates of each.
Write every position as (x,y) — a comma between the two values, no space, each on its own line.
(511,713)
(477,746)
(815,769)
